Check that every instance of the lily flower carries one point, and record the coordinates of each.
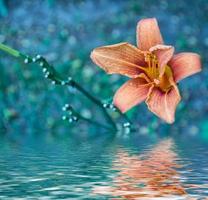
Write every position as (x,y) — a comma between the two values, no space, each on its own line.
(152,67)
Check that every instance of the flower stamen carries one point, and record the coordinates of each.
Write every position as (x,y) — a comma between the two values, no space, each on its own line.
(156,81)
(152,67)
(152,71)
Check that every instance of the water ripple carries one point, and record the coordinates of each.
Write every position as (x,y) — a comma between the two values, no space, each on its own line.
(115,170)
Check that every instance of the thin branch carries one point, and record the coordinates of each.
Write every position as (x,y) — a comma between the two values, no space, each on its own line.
(56,78)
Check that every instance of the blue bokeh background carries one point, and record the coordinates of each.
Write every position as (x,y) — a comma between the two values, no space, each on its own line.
(65,32)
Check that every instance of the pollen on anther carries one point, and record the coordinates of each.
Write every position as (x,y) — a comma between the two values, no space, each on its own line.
(156,81)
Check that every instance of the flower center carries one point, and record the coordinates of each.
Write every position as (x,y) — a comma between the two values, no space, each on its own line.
(152,71)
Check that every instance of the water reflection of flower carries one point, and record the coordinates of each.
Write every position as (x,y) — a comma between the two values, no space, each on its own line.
(150,175)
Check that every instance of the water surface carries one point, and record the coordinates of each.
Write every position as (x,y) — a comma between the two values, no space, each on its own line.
(106,166)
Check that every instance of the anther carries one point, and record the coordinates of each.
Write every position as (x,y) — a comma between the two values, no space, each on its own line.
(156,81)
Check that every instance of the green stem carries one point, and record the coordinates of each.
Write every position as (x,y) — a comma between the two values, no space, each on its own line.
(9,50)
(75,116)
(16,53)
(97,102)
(124,116)
(93,122)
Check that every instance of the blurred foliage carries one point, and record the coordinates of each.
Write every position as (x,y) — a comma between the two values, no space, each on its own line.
(65,32)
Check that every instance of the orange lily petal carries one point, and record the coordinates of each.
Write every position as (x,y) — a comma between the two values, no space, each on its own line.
(184,65)
(131,93)
(122,58)
(148,34)
(164,104)
(164,53)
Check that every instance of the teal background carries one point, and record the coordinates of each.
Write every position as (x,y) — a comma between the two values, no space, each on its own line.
(44,157)
(65,32)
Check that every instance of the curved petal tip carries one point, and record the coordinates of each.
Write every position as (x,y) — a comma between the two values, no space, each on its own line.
(163,104)
(185,64)
(148,34)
